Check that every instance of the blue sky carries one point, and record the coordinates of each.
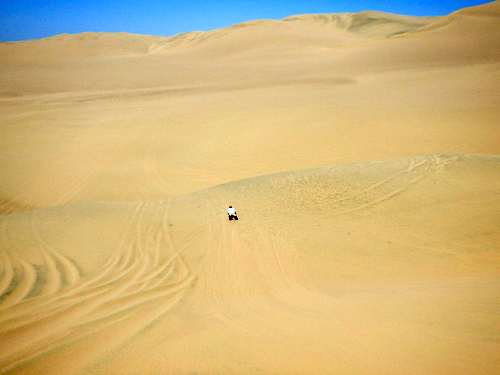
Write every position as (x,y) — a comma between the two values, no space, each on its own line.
(35,19)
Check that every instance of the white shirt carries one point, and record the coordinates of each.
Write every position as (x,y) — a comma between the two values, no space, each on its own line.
(231,211)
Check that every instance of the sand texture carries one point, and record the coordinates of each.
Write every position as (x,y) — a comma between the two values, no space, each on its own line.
(360,150)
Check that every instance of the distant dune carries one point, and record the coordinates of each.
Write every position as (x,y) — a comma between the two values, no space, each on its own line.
(361,152)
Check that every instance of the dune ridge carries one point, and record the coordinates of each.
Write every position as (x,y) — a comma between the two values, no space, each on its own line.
(238,100)
(361,153)
(98,44)
(368,24)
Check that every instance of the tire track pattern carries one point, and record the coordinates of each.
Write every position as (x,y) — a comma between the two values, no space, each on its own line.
(325,189)
(387,188)
(252,277)
(43,307)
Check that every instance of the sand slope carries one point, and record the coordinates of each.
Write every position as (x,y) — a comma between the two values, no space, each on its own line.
(383,267)
(206,108)
(361,151)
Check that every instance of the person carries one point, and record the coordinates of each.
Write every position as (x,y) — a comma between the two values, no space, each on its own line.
(231,213)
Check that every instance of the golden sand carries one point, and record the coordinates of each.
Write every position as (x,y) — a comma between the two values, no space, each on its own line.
(360,150)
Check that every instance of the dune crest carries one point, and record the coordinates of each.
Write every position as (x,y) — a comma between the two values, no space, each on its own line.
(68,47)
(239,102)
(99,44)
(368,23)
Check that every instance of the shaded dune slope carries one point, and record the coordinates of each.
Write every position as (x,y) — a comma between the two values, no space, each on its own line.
(331,268)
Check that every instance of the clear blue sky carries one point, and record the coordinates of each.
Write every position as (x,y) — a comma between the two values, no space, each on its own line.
(35,19)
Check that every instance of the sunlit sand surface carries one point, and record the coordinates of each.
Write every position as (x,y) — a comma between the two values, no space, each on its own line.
(360,151)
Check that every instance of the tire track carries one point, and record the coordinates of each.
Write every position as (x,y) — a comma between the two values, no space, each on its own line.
(387,188)
(251,277)
(7,269)
(23,288)
(226,285)
(53,279)
(133,276)
(282,275)
(325,191)
(17,282)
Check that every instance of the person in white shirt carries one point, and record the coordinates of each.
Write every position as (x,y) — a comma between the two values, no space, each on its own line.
(231,213)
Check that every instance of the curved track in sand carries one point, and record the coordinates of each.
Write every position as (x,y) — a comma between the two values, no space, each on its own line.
(184,290)
(48,305)
(388,187)
(126,151)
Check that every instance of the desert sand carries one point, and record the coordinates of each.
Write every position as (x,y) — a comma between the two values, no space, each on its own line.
(361,151)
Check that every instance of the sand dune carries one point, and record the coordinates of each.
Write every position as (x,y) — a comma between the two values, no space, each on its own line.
(360,268)
(361,151)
